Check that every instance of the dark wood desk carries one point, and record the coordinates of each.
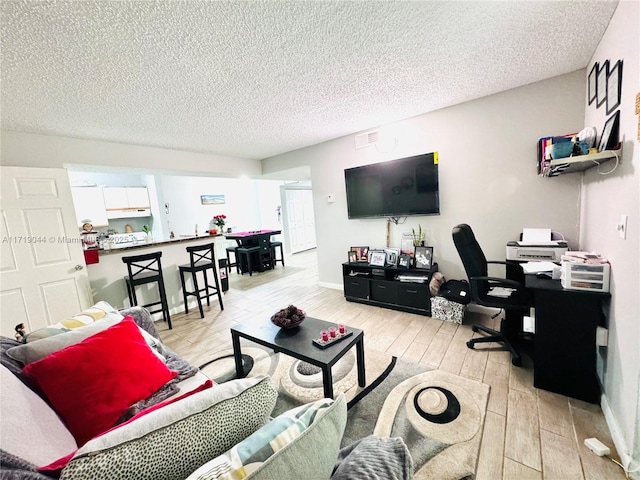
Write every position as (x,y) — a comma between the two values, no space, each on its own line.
(565,338)
(297,343)
(255,238)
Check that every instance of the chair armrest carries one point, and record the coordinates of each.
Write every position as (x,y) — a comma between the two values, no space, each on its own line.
(500,262)
(498,282)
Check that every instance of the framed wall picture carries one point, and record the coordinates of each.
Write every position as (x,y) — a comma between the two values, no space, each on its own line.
(609,137)
(592,85)
(424,257)
(353,256)
(392,256)
(378,258)
(601,84)
(362,253)
(212,199)
(404,260)
(614,87)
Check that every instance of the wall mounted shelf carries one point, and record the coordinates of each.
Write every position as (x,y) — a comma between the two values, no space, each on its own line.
(580,163)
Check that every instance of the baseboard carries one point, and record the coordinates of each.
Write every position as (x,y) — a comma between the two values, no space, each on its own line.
(333,286)
(616,435)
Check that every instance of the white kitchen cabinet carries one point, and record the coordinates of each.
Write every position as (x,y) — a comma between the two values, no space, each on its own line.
(115,198)
(127,202)
(88,203)
(138,197)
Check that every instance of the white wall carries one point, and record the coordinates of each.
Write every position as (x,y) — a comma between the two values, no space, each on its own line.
(34,150)
(248,203)
(605,198)
(488,179)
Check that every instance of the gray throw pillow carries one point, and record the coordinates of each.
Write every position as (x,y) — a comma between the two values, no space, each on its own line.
(173,441)
(34,351)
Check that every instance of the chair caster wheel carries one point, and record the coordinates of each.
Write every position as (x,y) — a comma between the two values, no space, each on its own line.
(516,362)
(474,328)
(470,344)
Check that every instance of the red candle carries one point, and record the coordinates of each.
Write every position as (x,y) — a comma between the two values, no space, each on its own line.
(325,335)
(332,332)
(341,329)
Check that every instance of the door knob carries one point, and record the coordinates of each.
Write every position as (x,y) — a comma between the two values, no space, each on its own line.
(78,267)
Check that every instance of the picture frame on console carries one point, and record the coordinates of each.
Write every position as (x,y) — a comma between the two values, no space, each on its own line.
(378,258)
(404,261)
(362,253)
(424,257)
(392,256)
(353,256)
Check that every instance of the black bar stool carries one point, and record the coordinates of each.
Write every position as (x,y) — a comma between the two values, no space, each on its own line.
(143,269)
(201,259)
(235,257)
(244,257)
(275,245)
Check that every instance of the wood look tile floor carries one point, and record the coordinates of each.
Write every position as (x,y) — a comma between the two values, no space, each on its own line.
(528,433)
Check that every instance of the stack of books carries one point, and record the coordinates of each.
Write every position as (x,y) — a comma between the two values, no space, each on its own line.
(544,154)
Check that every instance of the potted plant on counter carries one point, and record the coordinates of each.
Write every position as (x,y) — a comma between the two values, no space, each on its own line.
(148,238)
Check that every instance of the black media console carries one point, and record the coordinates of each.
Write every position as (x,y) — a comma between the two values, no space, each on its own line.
(380,286)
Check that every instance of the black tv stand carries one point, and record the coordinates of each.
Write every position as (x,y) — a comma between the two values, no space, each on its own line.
(380,286)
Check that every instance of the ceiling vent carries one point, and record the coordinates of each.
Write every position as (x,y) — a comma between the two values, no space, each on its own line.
(366,139)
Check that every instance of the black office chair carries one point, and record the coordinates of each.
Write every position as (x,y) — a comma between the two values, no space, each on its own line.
(201,259)
(480,284)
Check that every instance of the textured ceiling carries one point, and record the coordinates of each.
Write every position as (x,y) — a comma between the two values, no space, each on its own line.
(252,79)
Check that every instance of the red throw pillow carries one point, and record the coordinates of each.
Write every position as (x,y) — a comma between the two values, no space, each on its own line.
(92,383)
(54,469)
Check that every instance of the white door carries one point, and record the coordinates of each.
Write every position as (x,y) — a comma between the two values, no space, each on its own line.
(43,277)
(300,220)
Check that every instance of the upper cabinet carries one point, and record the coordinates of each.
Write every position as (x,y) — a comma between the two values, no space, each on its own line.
(89,205)
(126,202)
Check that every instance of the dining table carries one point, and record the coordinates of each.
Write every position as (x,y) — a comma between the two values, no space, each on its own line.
(255,238)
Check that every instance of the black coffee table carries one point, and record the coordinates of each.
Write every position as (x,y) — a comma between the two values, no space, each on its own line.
(297,343)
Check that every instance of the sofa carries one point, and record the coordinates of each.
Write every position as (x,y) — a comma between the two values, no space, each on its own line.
(99,396)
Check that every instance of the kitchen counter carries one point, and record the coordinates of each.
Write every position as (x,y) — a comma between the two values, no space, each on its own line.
(155,243)
(107,276)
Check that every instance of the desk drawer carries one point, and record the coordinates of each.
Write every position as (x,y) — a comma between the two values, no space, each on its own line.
(356,287)
(384,291)
(414,295)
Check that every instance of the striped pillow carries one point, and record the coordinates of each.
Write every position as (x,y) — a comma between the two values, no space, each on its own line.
(99,311)
(248,455)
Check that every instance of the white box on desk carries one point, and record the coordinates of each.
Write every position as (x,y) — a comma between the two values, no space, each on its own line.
(592,277)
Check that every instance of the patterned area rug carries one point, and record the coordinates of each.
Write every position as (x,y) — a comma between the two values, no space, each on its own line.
(439,416)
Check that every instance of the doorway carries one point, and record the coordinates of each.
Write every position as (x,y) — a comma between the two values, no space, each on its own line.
(299,220)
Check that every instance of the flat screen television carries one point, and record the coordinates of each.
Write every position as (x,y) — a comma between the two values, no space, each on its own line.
(397,188)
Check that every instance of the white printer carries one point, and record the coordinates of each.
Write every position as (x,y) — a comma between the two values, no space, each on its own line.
(547,251)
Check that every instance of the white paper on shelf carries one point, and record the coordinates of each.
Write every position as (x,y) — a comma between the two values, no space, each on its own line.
(535,267)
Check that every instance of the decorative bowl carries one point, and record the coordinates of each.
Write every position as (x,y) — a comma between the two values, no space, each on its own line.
(289,317)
